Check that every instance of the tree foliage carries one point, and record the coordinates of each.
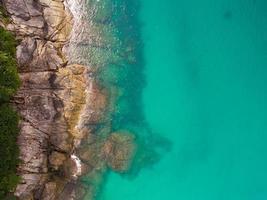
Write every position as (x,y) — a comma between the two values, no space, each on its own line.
(9,83)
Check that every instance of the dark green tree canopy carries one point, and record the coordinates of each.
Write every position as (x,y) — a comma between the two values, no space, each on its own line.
(9,79)
(9,83)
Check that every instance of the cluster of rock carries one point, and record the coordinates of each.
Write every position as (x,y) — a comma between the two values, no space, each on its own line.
(65,129)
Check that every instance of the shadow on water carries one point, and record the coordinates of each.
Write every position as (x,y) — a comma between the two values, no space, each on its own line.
(228,15)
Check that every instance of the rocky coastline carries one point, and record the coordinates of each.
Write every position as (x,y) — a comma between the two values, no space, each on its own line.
(65,129)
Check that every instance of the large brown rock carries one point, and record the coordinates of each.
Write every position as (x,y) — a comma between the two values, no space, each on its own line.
(33,149)
(26,16)
(58,20)
(35,55)
(50,191)
(30,182)
(39,19)
(52,103)
(56,159)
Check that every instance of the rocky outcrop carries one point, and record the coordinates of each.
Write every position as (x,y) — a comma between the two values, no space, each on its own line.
(50,105)
(65,127)
(43,19)
(45,141)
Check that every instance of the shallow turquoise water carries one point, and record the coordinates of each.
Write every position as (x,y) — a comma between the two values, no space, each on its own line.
(205,66)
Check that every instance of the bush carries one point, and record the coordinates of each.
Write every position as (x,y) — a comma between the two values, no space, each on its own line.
(9,79)
(7,42)
(9,83)
(8,148)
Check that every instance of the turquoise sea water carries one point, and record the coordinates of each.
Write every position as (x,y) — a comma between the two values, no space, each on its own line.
(201,84)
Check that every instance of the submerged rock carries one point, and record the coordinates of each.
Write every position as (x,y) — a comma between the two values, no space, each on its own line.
(119,150)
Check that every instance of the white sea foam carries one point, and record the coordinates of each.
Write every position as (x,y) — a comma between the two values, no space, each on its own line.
(78,165)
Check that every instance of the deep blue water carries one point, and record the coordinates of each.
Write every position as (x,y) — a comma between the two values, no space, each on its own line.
(200,81)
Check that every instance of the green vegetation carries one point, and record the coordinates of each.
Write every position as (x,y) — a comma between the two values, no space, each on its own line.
(9,80)
(7,42)
(9,83)
(8,149)
(3,15)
